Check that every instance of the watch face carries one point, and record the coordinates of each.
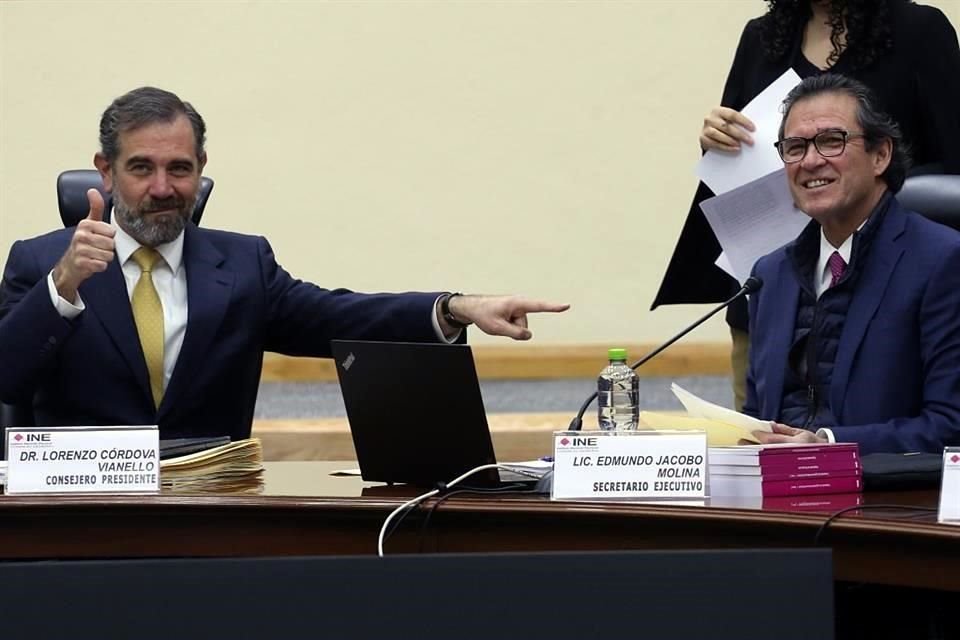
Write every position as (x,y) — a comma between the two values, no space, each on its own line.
(447,314)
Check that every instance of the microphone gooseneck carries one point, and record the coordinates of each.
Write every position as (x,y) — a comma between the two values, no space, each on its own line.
(752,285)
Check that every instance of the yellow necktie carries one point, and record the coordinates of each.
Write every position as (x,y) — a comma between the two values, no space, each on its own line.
(148,314)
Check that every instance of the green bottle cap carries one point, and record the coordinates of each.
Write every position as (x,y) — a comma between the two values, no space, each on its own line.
(617,354)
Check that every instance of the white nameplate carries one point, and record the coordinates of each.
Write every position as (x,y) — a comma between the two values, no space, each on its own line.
(83,460)
(629,465)
(949,512)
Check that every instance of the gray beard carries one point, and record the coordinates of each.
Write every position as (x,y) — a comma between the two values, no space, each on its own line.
(150,233)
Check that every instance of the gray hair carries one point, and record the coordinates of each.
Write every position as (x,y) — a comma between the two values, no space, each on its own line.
(142,107)
(877,126)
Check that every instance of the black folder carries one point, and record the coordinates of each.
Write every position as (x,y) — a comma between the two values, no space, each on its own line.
(901,471)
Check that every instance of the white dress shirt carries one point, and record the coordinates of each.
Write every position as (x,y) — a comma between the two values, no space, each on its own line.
(822,283)
(170,281)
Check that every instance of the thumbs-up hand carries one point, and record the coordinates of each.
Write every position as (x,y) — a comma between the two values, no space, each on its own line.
(90,250)
(96,205)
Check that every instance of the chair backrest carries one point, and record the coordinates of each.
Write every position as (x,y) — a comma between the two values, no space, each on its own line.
(72,189)
(13,415)
(936,196)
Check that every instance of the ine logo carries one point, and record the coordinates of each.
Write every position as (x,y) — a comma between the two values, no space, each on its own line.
(346,364)
(32,438)
(579,443)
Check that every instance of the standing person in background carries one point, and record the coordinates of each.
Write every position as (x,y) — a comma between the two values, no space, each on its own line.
(906,53)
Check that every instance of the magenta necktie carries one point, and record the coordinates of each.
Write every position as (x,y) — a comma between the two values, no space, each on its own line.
(837,267)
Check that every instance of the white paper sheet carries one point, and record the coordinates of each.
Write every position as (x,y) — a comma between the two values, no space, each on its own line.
(723,261)
(753,220)
(723,171)
(699,408)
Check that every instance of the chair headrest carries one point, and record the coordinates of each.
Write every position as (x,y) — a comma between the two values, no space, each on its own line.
(936,196)
(72,189)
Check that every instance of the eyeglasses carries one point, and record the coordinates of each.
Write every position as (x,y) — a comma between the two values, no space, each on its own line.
(829,143)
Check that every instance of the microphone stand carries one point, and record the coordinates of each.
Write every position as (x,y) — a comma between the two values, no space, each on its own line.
(752,285)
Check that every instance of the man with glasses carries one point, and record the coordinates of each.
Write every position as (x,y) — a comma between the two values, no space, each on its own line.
(855,336)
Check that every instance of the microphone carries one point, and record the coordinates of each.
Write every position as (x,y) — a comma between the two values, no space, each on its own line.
(752,285)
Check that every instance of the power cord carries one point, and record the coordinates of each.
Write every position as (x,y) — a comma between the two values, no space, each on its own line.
(834,516)
(413,502)
(396,523)
(511,488)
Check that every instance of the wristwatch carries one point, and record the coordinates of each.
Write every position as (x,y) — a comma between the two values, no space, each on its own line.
(448,316)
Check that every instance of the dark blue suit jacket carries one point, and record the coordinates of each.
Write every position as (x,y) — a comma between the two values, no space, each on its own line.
(91,370)
(896,377)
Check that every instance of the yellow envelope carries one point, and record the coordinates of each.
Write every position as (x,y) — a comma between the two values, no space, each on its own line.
(719,434)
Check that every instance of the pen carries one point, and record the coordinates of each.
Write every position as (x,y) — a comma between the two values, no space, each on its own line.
(547,458)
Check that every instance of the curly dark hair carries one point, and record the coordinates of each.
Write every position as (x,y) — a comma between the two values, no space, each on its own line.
(864,23)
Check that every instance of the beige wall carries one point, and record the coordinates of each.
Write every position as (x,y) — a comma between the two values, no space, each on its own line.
(537,147)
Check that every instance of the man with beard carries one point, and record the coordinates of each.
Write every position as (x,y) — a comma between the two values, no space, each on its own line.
(148,319)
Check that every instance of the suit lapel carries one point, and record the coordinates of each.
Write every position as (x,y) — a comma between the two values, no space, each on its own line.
(209,286)
(876,273)
(105,296)
(779,321)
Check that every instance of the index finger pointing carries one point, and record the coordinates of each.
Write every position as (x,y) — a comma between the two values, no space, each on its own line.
(533,306)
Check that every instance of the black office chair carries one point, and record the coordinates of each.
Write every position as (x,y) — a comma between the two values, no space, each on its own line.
(72,189)
(936,196)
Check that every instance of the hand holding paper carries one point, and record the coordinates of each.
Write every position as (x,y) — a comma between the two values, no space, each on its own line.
(724,427)
(724,129)
(724,172)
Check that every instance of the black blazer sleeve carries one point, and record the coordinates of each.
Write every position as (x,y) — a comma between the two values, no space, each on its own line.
(692,276)
(931,42)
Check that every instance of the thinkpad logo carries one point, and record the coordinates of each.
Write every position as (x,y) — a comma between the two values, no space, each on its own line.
(346,364)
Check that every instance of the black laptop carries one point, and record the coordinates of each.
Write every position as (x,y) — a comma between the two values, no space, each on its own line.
(415,410)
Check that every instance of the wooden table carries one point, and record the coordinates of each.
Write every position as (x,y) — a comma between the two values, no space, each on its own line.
(516,436)
(303,510)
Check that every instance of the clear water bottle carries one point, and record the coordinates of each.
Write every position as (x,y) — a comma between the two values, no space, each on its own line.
(618,394)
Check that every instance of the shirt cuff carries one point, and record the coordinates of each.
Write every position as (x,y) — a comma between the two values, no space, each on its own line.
(67,309)
(823,432)
(436,325)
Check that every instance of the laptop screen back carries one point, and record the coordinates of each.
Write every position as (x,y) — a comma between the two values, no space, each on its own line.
(415,410)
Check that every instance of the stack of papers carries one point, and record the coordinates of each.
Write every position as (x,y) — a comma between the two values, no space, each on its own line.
(753,212)
(786,469)
(232,467)
(724,427)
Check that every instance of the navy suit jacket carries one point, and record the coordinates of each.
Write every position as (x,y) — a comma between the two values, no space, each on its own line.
(896,377)
(90,370)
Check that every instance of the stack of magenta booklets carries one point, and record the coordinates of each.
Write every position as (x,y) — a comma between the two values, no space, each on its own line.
(778,473)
